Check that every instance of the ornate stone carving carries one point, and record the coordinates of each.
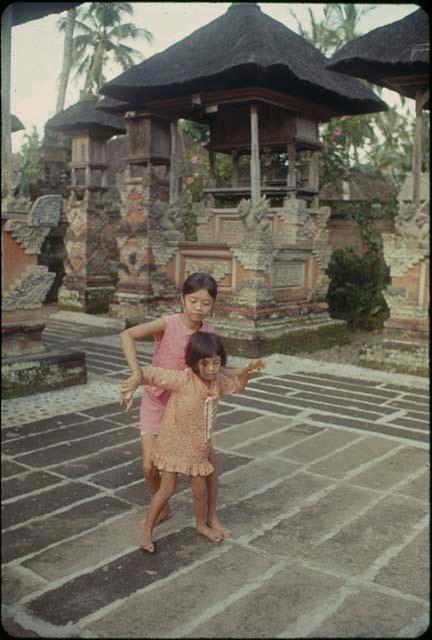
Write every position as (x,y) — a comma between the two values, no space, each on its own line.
(168,217)
(401,305)
(254,216)
(219,269)
(31,232)
(413,224)
(31,291)
(399,256)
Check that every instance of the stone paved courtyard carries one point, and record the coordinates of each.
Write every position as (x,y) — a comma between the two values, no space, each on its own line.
(324,479)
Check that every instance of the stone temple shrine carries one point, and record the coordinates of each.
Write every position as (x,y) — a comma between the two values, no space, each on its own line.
(262,91)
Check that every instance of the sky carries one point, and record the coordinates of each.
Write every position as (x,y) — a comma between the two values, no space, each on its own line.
(37,48)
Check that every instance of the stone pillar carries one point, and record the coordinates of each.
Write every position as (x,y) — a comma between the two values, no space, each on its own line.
(405,345)
(90,246)
(145,197)
(138,237)
(89,240)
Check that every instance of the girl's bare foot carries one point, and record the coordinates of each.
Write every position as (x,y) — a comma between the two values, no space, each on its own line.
(212,534)
(146,543)
(216,524)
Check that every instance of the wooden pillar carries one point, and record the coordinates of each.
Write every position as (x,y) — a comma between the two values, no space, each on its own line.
(235,169)
(291,176)
(314,171)
(212,169)
(255,158)
(174,164)
(417,151)
(6,145)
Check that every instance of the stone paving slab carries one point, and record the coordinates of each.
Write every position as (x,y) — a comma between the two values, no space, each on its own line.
(359,543)
(217,579)
(323,478)
(409,571)
(260,614)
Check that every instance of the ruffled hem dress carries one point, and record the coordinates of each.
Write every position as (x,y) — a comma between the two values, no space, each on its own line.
(189,419)
(169,352)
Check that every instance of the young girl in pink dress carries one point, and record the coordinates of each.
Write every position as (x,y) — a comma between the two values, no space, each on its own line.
(184,442)
(172,333)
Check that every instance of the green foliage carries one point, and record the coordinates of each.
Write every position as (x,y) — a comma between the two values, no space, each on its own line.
(381,142)
(100,32)
(195,170)
(32,165)
(357,281)
(343,139)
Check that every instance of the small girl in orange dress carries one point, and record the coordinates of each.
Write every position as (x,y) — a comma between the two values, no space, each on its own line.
(184,442)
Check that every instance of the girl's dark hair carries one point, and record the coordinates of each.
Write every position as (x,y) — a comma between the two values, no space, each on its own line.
(197,281)
(204,345)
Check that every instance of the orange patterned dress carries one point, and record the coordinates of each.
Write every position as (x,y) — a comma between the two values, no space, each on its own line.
(189,418)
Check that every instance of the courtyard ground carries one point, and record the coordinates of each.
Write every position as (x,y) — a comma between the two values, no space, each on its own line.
(324,479)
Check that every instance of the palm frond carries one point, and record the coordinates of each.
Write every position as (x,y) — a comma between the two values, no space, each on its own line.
(129,30)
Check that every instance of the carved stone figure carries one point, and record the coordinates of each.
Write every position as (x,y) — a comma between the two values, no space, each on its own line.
(413,223)
(169,216)
(254,216)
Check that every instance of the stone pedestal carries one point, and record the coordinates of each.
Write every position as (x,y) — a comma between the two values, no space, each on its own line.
(27,365)
(269,264)
(405,345)
(90,248)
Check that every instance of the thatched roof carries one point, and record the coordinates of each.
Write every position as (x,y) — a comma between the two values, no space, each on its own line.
(243,48)
(111,105)
(16,124)
(397,49)
(23,12)
(362,187)
(85,115)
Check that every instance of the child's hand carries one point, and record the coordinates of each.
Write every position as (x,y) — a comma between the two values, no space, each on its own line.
(246,372)
(255,366)
(128,388)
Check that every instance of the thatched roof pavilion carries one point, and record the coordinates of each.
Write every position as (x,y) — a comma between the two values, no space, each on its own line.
(243,48)
(85,115)
(395,56)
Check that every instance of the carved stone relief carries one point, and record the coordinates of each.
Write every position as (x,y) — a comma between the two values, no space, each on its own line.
(31,291)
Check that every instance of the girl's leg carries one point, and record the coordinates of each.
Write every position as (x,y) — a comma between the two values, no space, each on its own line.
(151,474)
(199,493)
(157,504)
(212,491)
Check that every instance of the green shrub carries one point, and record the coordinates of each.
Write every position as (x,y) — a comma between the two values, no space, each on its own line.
(356,285)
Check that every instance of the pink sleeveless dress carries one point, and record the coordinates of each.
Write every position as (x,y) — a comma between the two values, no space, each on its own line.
(169,353)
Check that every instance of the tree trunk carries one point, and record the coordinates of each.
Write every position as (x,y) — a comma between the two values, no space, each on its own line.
(67,59)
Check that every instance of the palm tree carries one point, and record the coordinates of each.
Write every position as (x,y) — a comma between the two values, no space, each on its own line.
(344,19)
(98,40)
(319,33)
(67,25)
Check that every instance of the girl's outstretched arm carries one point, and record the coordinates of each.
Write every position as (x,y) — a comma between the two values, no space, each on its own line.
(127,341)
(164,378)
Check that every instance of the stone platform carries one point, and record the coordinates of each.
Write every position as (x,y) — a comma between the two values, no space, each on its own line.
(324,478)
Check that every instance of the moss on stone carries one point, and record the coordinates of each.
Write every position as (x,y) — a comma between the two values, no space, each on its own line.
(307,340)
